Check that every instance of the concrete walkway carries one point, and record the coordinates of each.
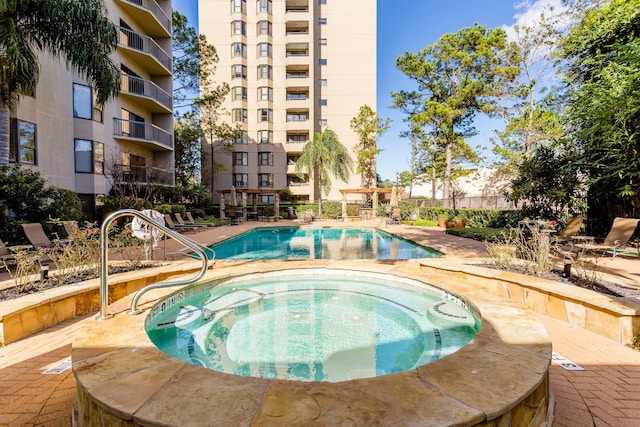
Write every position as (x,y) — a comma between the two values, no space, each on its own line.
(605,393)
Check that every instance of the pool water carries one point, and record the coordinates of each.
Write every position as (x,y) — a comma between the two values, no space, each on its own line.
(293,243)
(312,327)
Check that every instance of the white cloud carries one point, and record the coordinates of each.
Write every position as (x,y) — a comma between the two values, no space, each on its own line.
(528,14)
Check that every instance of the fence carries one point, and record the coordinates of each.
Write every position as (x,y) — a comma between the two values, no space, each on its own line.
(480,202)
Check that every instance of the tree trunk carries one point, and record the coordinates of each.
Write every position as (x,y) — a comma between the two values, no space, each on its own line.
(4,135)
(446,184)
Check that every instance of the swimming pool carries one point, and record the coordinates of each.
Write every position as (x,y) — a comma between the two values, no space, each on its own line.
(298,243)
(318,325)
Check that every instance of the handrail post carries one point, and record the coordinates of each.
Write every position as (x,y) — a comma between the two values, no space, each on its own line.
(104,261)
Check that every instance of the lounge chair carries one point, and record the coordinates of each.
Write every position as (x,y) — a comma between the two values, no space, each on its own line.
(616,240)
(37,237)
(235,217)
(176,227)
(181,221)
(574,224)
(71,228)
(5,255)
(193,221)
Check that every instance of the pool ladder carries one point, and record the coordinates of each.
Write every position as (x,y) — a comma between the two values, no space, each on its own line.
(104,269)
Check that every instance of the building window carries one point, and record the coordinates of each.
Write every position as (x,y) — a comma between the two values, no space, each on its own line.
(264,6)
(265,71)
(322,21)
(22,146)
(297,117)
(322,42)
(322,102)
(242,138)
(240,158)
(239,6)
(265,93)
(322,1)
(265,198)
(238,71)
(238,49)
(239,115)
(89,156)
(322,61)
(322,122)
(264,28)
(265,180)
(265,115)
(265,137)
(82,102)
(264,50)
(239,28)
(265,158)
(239,93)
(322,82)
(84,106)
(240,179)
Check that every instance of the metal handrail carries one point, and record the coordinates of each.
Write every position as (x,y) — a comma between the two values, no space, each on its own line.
(104,270)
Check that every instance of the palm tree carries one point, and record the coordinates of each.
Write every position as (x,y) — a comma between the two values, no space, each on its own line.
(325,156)
(77,31)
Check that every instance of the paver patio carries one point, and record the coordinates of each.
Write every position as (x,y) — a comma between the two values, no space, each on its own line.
(605,393)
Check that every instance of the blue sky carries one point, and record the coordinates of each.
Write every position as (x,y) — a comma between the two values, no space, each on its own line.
(411,25)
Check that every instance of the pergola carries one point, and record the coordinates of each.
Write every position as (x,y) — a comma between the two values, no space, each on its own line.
(246,192)
(369,213)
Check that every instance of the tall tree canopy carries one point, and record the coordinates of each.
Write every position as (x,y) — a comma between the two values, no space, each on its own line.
(78,32)
(603,75)
(369,127)
(458,76)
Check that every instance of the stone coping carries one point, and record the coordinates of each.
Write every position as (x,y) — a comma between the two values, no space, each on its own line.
(617,318)
(500,378)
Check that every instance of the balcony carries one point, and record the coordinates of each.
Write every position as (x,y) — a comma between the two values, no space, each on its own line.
(297,6)
(297,117)
(145,51)
(294,28)
(146,175)
(153,20)
(145,93)
(144,133)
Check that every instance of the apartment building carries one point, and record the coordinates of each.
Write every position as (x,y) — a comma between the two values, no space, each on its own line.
(295,67)
(59,131)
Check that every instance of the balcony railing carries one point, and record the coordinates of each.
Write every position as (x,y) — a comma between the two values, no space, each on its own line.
(143,44)
(142,175)
(297,117)
(299,53)
(297,75)
(131,129)
(297,96)
(150,7)
(297,140)
(145,88)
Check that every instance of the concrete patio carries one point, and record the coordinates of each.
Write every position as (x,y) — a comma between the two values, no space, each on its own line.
(605,393)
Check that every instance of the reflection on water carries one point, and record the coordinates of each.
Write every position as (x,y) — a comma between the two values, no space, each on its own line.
(319,243)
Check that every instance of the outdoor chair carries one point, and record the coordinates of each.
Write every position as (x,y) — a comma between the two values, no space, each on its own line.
(614,243)
(37,237)
(5,254)
(176,227)
(234,218)
(395,216)
(308,216)
(182,222)
(193,221)
(71,228)
(574,224)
